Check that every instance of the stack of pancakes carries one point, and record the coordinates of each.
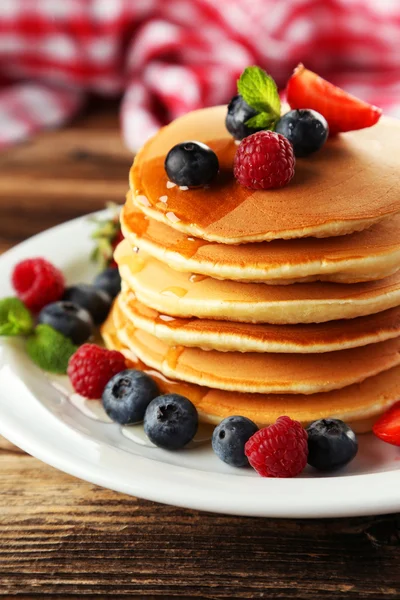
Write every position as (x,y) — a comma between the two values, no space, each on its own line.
(263,303)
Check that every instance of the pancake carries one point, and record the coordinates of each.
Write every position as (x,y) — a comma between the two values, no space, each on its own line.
(256,372)
(243,337)
(359,405)
(364,256)
(351,183)
(177,294)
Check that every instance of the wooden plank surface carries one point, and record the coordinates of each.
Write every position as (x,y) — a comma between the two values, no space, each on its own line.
(60,175)
(64,538)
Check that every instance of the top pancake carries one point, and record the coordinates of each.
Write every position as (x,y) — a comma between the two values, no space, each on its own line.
(351,183)
(363,256)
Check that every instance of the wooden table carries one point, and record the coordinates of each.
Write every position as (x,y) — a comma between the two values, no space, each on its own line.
(63,538)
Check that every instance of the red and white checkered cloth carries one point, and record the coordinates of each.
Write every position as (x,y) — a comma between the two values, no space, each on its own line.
(167,57)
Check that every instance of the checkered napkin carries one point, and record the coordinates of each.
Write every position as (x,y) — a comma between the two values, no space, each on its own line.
(167,57)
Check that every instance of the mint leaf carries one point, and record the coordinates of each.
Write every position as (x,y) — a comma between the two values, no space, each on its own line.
(259,90)
(263,120)
(15,318)
(50,349)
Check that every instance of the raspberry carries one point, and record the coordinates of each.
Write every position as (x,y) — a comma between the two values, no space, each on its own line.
(279,450)
(92,367)
(264,160)
(37,283)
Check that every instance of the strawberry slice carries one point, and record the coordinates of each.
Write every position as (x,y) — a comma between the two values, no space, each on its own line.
(387,427)
(343,111)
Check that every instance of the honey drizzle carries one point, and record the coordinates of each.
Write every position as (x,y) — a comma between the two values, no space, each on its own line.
(165,318)
(173,355)
(174,291)
(187,247)
(171,216)
(136,263)
(171,322)
(143,200)
(143,227)
(165,384)
(196,278)
(201,206)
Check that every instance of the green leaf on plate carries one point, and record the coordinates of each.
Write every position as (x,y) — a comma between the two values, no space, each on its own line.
(15,318)
(50,349)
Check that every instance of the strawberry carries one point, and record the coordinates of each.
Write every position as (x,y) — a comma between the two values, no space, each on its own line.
(343,111)
(387,427)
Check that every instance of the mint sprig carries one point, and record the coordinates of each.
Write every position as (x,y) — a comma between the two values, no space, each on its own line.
(259,90)
(50,349)
(15,318)
(106,236)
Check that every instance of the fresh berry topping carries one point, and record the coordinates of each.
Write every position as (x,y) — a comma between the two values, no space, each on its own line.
(69,319)
(37,283)
(343,111)
(264,160)
(127,395)
(258,105)
(92,367)
(306,130)
(331,444)
(170,421)
(387,427)
(191,164)
(229,439)
(95,301)
(109,281)
(49,349)
(238,113)
(279,450)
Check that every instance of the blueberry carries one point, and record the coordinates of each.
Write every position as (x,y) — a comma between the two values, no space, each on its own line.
(238,113)
(95,301)
(331,444)
(191,164)
(171,421)
(109,281)
(69,319)
(305,129)
(127,395)
(229,439)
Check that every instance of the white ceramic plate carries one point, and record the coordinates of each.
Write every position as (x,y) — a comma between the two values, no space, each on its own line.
(38,416)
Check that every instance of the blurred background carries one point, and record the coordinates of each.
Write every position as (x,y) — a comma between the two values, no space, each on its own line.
(161,58)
